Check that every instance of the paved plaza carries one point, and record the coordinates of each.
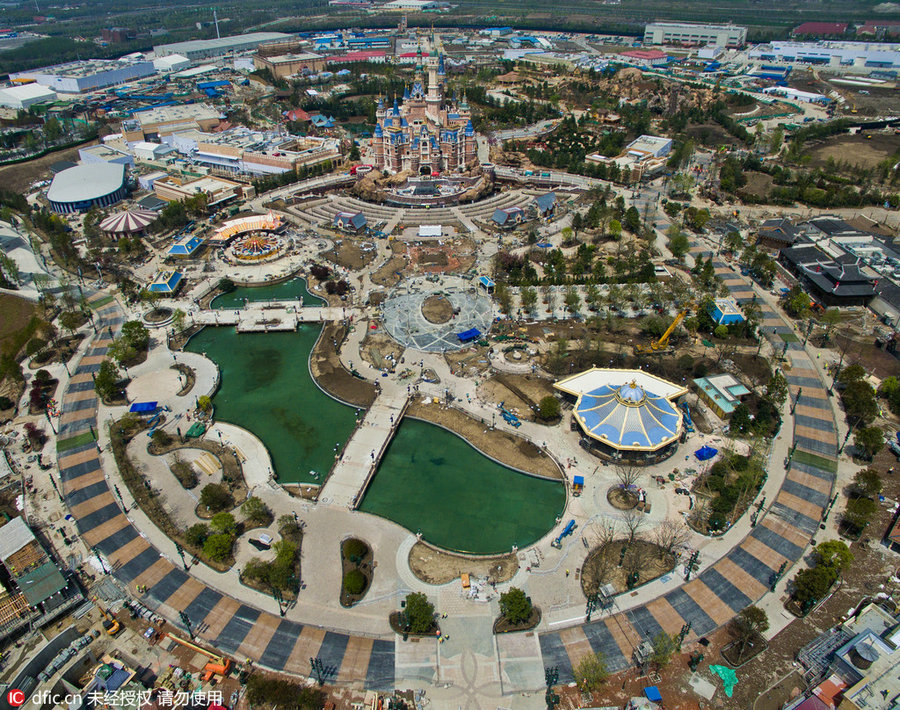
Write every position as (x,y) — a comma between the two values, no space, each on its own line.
(404,320)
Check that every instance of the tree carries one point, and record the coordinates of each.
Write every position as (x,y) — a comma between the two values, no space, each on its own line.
(859,402)
(592,296)
(858,513)
(225,285)
(354,582)
(591,672)
(777,389)
(628,474)
(811,585)
(615,229)
(868,442)
(573,300)
(218,547)
(721,331)
(529,298)
(419,613)
(678,242)
(632,220)
(224,523)
(747,626)
(204,403)
(548,408)
(106,380)
(664,646)
(178,317)
(633,522)
(851,373)
(734,242)
(568,235)
(135,334)
(515,606)
(798,303)
(834,555)
(196,534)
(215,497)
(671,533)
(866,483)
(151,297)
(830,319)
(504,297)
(256,511)
(71,320)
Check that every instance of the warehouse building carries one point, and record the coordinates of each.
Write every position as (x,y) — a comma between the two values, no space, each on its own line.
(89,75)
(205,48)
(166,120)
(218,190)
(21,97)
(687,33)
(84,186)
(847,56)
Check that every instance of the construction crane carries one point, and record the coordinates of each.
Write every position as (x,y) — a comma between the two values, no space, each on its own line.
(659,346)
(110,623)
(217,664)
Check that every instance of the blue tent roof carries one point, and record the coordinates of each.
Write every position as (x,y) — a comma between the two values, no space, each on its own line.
(578,480)
(652,693)
(486,281)
(469,335)
(143,407)
(705,453)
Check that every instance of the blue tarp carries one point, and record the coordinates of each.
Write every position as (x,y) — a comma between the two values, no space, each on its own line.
(578,480)
(143,407)
(469,335)
(705,453)
(652,694)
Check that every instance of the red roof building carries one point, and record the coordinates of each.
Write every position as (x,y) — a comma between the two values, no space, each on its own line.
(819,29)
(297,114)
(643,57)
(879,28)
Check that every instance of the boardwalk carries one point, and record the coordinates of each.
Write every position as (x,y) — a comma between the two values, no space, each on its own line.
(351,475)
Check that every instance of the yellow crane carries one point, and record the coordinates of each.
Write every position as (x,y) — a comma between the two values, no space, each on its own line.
(659,346)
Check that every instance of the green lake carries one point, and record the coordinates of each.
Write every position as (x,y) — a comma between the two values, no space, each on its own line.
(286,290)
(433,481)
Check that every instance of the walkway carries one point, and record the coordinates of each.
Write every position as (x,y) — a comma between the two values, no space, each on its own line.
(747,572)
(275,315)
(362,454)
(231,626)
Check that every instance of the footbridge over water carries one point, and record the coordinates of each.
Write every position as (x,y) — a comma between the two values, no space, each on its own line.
(361,456)
(270,316)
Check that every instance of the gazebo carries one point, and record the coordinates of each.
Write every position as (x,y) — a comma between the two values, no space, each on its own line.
(128,222)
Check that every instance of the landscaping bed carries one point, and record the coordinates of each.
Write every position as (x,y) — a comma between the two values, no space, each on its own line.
(190,378)
(646,559)
(357,568)
(503,626)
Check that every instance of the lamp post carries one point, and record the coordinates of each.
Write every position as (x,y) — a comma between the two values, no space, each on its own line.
(187,622)
(318,667)
(180,550)
(796,400)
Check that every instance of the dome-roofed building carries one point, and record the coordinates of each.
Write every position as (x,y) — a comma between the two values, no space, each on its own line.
(84,186)
(625,414)
(128,222)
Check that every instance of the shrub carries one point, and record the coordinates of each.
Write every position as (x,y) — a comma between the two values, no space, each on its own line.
(256,511)
(161,437)
(354,582)
(218,546)
(223,523)
(419,613)
(591,672)
(548,408)
(197,534)
(6,403)
(264,692)
(225,285)
(515,606)
(355,550)
(34,345)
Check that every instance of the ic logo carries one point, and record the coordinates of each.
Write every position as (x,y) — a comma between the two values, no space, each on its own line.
(15,697)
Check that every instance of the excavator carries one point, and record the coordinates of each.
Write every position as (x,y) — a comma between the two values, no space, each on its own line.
(658,347)
(110,623)
(218,665)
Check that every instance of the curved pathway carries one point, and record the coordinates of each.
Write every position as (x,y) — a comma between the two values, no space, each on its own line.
(746,573)
(226,624)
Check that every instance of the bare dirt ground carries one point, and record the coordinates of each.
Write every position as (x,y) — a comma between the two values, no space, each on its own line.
(16,314)
(457,255)
(19,177)
(876,361)
(435,566)
(391,272)
(758,184)
(350,255)
(519,393)
(471,361)
(602,565)
(330,374)
(376,347)
(437,309)
(506,448)
(867,152)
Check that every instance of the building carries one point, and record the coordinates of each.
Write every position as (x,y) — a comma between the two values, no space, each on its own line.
(724,311)
(217,190)
(206,48)
(425,134)
(87,75)
(97,154)
(25,95)
(284,65)
(170,63)
(819,29)
(166,283)
(723,393)
(165,120)
(241,151)
(146,151)
(545,205)
(413,5)
(692,34)
(117,35)
(786,92)
(879,28)
(829,281)
(349,221)
(778,233)
(374,56)
(625,414)
(643,57)
(84,186)
(645,155)
(509,217)
(861,57)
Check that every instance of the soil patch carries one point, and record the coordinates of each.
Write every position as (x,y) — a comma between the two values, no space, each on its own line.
(435,566)
(621,498)
(504,447)
(866,149)
(502,626)
(380,350)
(437,309)
(521,394)
(758,184)
(390,273)
(19,177)
(329,373)
(350,254)
(645,559)
(158,315)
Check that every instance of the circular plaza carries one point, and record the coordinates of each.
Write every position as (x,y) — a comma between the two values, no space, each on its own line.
(436,313)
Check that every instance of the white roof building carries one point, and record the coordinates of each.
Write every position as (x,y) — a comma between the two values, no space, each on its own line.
(171,62)
(25,95)
(203,48)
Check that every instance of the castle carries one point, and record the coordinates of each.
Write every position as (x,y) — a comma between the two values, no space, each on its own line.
(424,134)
